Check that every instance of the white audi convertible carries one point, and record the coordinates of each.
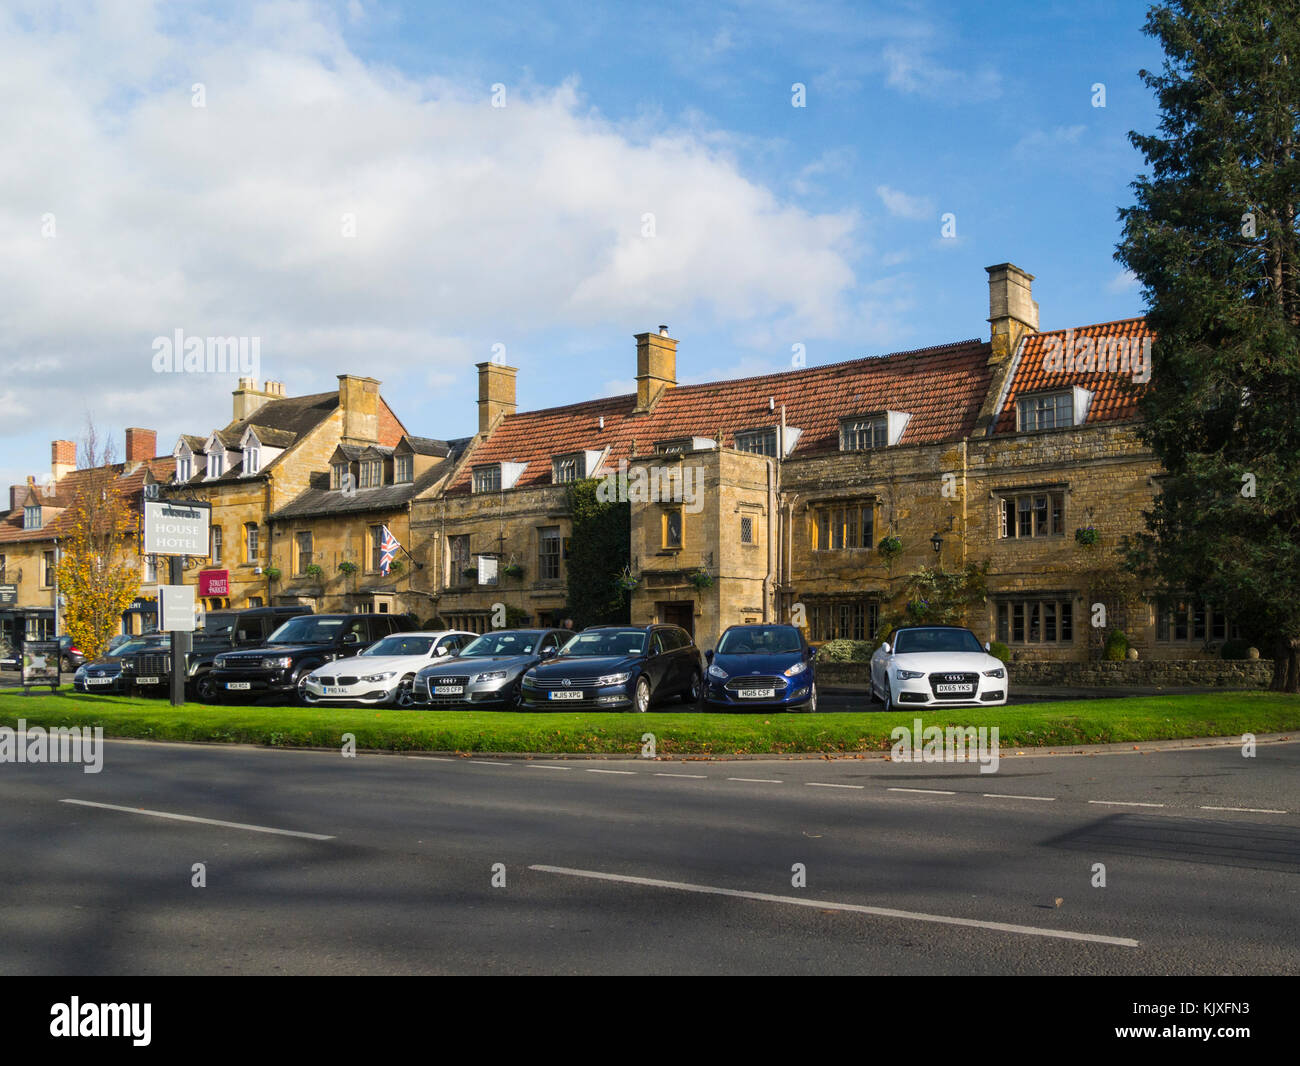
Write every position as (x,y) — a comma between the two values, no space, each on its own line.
(936,666)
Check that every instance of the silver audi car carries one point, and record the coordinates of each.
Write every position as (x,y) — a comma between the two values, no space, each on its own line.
(487,672)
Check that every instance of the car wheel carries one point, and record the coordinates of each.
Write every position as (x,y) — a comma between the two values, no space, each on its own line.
(887,700)
(405,695)
(641,698)
(301,686)
(516,701)
(206,689)
(692,693)
(812,699)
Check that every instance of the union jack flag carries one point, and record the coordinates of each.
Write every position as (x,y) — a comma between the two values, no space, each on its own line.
(388,549)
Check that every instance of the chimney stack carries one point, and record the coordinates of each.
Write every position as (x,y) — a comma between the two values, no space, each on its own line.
(141,446)
(359,402)
(63,458)
(656,367)
(1012,310)
(496,394)
(248,397)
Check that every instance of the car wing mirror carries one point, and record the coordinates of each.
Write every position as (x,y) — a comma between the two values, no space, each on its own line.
(351,638)
(988,646)
(885,647)
(708,656)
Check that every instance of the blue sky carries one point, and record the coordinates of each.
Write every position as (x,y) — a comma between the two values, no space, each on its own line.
(525,225)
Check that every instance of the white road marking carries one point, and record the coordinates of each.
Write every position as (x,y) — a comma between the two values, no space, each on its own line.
(1123,803)
(697,777)
(827,784)
(926,791)
(1245,810)
(758,780)
(201,821)
(611,771)
(856,908)
(548,766)
(429,758)
(1006,796)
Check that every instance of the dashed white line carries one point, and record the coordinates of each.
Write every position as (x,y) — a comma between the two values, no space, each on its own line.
(590,771)
(202,821)
(1006,796)
(697,777)
(1123,803)
(856,908)
(828,784)
(926,791)
(1245,810)
(758,780)
(547,766)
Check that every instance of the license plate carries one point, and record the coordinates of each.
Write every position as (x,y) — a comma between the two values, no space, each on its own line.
(959,690)
(756,693)
(335,690)
(99,681)
(566,695)
(146,680)
(239,686)
(449,690)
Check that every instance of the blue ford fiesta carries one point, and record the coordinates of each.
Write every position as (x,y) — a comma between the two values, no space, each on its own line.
(762,666)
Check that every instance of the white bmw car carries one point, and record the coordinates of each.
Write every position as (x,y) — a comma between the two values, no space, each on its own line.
(936,666)
(385,671)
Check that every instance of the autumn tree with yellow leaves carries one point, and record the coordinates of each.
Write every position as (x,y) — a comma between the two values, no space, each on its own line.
(99,569)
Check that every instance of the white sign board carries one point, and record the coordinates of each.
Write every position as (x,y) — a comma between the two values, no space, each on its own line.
(175,528)
(176,608)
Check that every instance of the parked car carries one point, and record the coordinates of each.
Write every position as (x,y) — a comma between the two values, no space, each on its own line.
(936,666)
(149,670)
(385,671)
(281,665)
(70,656)
(610,667)
(761,666)
(489,671)
(105,673)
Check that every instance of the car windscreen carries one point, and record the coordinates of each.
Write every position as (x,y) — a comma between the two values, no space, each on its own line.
(605,642)
(508,642)
(760,640)
(914,641)
(307,629)
(129,648)
(217,625)
(401,645)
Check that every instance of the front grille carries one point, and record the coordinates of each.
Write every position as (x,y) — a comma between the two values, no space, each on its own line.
(740,684)
(970,681)
(432,681)
(155,664)
(340,681)
(574,682)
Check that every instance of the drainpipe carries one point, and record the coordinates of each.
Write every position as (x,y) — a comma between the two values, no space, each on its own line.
(768,598)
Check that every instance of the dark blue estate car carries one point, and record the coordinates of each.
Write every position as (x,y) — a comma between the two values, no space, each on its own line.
(762,666)
(614,667)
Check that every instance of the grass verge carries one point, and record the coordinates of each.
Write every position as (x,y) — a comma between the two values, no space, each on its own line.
(686,732)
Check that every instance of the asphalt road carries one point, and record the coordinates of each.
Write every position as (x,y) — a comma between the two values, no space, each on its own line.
(402,882)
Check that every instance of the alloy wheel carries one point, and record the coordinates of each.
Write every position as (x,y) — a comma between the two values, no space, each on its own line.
(642,697)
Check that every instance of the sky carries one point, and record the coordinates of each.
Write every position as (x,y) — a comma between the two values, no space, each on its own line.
(404,190)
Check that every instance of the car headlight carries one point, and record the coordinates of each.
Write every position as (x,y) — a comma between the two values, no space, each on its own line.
(718,672)
(493,675)
(219,663)
(387,675)
(194,669)
(128,667)
(907,675)
(614,679)
(797,668)
(999,672)
(79,674)
(280,662)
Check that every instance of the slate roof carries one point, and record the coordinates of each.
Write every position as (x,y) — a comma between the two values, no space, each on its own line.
(1114,394)
(322,501)
(942,388)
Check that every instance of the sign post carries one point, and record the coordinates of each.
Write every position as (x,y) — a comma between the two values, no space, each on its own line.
(177,528)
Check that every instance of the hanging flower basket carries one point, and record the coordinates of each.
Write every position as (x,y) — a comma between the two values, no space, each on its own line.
(395,567)
(626,581)
(701,580)
(1087,536)
(313,571)
(512,570)
(272,572)
(347,567)
(890,547)
(470,572)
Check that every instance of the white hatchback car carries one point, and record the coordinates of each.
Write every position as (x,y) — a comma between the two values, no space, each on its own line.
(385,671)
(936,666)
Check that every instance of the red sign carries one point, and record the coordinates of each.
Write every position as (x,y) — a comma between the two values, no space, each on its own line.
(214,582)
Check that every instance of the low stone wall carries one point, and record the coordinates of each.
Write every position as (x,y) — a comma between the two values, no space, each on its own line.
(1143,673)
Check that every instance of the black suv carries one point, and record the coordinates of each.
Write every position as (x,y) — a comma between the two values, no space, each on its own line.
(281,665)
(148,671)
(607,667)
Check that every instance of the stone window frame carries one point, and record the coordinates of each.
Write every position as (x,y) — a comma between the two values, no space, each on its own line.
(666,514)
(49,568)
(841,505)
(299,566)
(403,469)
(32,516)
(486,478)
(844,617)
(458,561)
(370,474)
(550,560)
(1063,618)
(1003,528)
(338,475)
(1165,618)
(252,543)
(216,542)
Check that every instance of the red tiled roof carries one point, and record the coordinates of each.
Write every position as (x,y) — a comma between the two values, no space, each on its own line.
(942,388)
(1059,360)
(65,494)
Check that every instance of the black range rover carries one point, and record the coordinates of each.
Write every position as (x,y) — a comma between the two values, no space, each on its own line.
(281,665)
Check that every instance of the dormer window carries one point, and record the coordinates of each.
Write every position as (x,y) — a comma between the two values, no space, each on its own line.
(338,475)
(872,431)
(252,459)
(678,445)
(759,442)
(32,517)
(403,469)
(216,464)
(1052,410)
(372,473)
(184,468)
(566,468)
(487,479)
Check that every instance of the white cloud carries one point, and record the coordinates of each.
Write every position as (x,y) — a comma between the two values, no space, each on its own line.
(911,68)
(1124,281)
(471,221)
(901,205)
